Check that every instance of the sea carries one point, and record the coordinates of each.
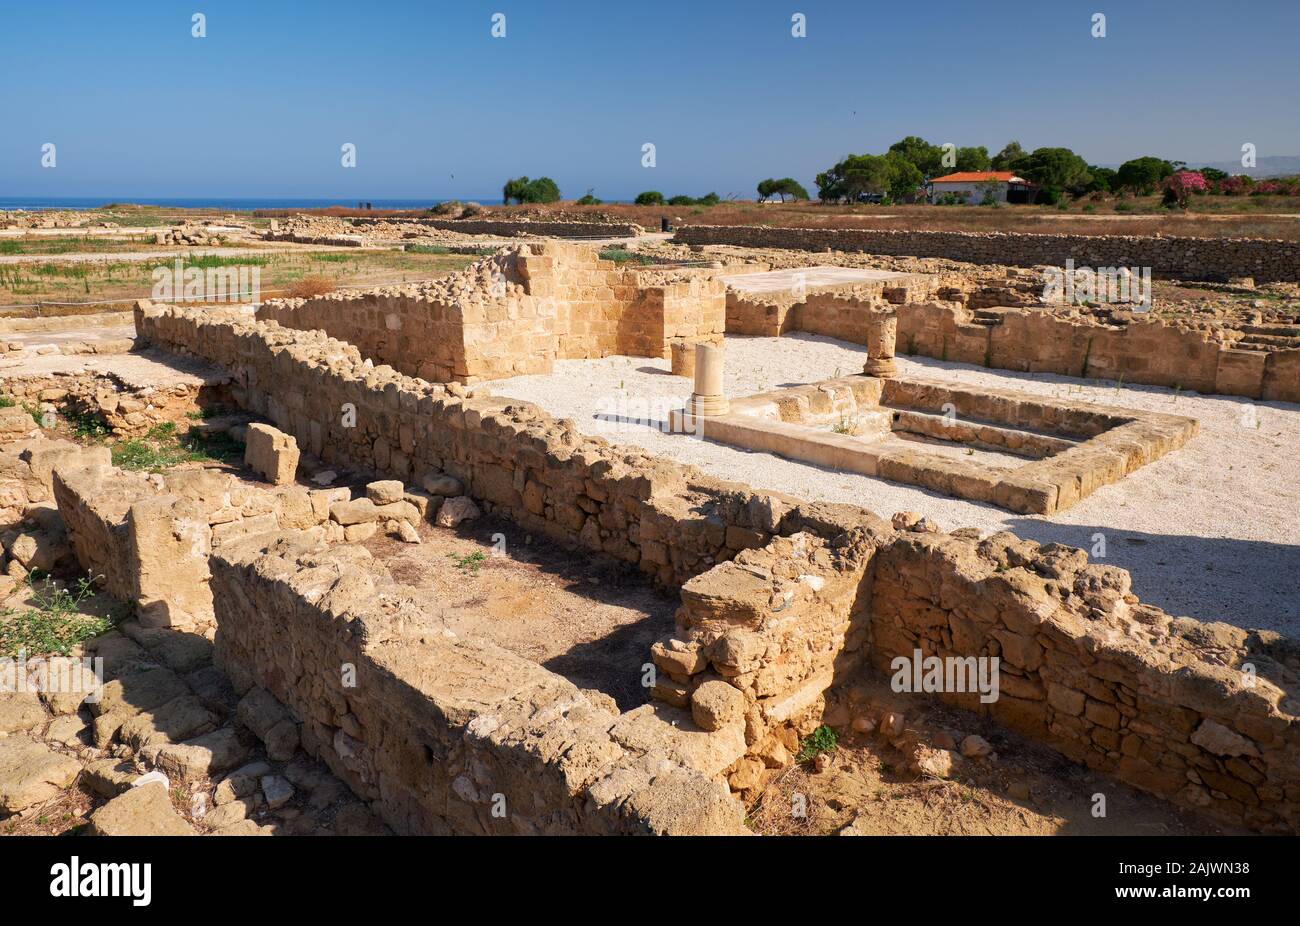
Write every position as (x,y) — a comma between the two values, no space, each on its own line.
(34,203)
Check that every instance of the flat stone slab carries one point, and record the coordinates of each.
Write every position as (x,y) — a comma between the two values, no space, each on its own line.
(820,277)
(143,811)
(31,773)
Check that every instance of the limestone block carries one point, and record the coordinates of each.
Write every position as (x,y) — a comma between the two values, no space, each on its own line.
(271,453)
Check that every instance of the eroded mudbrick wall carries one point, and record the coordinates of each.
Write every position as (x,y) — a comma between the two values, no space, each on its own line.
(1162,703)
(1221,259)
(516,313)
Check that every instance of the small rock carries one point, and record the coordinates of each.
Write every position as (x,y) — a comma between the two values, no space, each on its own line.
(455,510)
(442,485)
(145,811)
(407,533)
(891,725)
(385,491)
(975,747)
(277,790)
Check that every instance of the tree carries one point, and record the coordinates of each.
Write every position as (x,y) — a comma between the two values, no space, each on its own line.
(786,186)
(1103,179)
(682,201)
(523,190)
(649,198)
(1008,156)
(868,173)
(712,199)
(904,177)
(927,158)
(973,158)
(514,189)
(589,200)
(1056,171)
(1143,175)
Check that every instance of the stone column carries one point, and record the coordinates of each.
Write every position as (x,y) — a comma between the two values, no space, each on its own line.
(882,333)
(708,398)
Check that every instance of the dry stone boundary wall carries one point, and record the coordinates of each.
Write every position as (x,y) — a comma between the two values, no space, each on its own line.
(1221,259)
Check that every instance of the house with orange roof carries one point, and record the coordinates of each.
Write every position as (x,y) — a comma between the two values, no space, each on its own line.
(978,186)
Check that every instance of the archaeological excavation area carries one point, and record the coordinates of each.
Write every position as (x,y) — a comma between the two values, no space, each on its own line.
(561,544)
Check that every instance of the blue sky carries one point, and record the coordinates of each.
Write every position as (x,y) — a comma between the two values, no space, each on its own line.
(438,108)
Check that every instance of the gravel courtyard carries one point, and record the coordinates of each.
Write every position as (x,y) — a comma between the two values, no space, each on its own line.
(1210,531)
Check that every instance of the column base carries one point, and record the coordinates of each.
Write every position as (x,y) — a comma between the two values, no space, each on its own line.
(880,367)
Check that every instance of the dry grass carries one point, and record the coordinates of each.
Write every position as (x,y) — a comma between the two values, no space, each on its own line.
(313,284)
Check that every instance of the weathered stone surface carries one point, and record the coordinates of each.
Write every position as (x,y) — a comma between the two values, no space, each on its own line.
(271,453)
(31,772)
(386,491)
(20,711)
(143,811)
(203,756)
(456,510)
(717,704)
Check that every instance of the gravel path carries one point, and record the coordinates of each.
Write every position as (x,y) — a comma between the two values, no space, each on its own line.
(1210,531)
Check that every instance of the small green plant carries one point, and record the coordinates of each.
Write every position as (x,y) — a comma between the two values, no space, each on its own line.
(85,424)
(848,424)
(54,624)
(7,401)
(469,562)
(823,739)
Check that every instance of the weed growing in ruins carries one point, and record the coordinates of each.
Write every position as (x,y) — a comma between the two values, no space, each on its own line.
(469,562)
(7,402)
(848,424)
(821,740)
(85,425)
(54,624)
(623,256)
(162,448)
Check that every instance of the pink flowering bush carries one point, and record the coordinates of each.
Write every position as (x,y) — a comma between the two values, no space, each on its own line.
(1182,184)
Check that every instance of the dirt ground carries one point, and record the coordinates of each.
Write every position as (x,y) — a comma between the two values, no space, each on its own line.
(1022,789)
(588,618)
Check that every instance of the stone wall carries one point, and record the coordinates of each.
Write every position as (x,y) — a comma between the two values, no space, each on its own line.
(1203,714)
(1148,351)
(523,227)
(516,313)
(1161,702)
(1145,350)
(441,734)
(1220,259)
(148,539)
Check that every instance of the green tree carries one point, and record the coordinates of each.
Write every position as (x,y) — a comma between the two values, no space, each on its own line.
(927,158)
(973,158)
(1008,156)
(649,198)
(1056,171)
(904,177)
(523,190)
(788,186)
(1143,175)
(1103,179)
(514,189)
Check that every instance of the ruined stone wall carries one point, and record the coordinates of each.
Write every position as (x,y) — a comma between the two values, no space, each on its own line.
(541,229)
(148,539)
(1156,691)
(1146,351)
(514,314)
(1182,257)
(440,734)
(1163,703)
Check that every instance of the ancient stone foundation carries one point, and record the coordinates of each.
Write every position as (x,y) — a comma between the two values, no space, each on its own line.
(517,313)
(1202,714)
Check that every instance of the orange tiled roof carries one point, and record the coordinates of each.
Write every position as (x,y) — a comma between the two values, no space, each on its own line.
(977,176)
